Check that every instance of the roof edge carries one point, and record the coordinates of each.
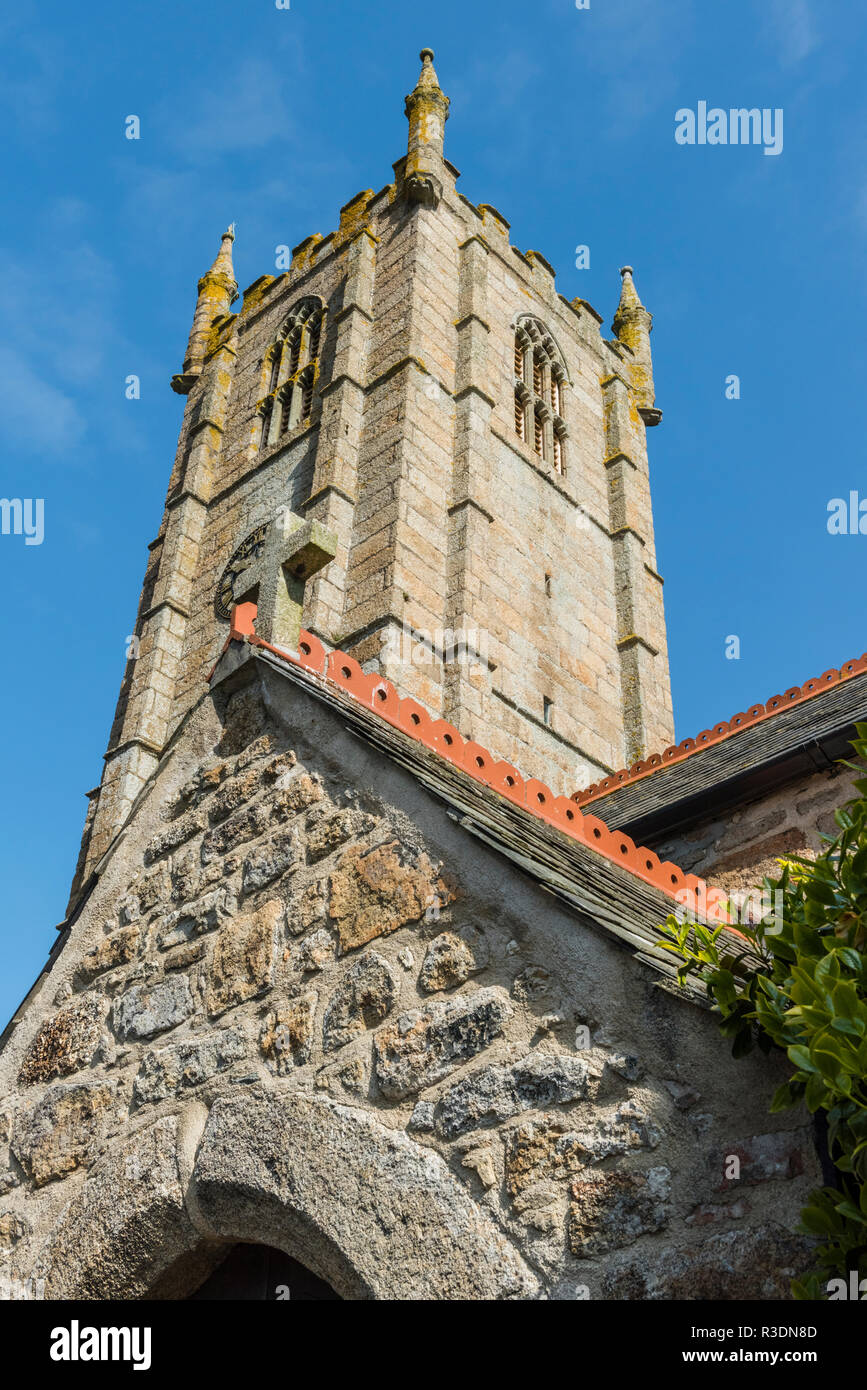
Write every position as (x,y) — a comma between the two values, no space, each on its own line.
(375,693)
(727,728)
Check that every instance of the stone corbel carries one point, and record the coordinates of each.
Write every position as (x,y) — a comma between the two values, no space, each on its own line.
(424,189)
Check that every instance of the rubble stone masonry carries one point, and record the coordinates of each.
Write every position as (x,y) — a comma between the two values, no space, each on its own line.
(302,1006)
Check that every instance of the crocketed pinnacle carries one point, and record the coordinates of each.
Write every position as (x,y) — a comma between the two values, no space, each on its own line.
(629,298)
(222,271)
(428,80)
(632,324)
(217,290)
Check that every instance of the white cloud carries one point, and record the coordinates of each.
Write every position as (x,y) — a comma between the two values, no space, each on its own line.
(62,338)
(636,48)
(58,307)
(242,112)
(792,29)
(36,414)
(33,62)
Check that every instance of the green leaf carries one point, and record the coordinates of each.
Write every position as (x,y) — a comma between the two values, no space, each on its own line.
(802,1059)
(784,1097)
(801,985)
(818,1221)
(725,990)
(807,986)
(851,1213)
(816,1096)
(848,1026)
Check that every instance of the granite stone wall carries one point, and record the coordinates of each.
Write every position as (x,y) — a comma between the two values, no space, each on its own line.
(302,1006)
(738,848)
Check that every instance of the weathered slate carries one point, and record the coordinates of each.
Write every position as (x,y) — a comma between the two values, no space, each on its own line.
(809,737)
(597,889)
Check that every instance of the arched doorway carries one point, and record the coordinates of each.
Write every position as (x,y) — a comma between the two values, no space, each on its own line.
(364,1209)
(264,1274)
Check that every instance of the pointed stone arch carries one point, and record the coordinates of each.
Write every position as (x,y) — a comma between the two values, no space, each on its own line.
(541,378)
(363,1207)
(310,307)
(290,369)
(538,332)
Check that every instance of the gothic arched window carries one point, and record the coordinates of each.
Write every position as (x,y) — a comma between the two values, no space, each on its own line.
(540,389)
(291,370)
(273,368)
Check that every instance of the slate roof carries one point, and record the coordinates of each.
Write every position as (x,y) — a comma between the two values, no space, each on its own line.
(808,729)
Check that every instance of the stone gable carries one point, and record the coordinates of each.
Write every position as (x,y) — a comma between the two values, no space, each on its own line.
(410,992)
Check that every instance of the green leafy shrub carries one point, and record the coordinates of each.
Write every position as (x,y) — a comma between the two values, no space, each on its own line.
(798,982)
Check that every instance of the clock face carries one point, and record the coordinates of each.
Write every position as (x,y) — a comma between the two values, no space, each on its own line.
(229,587)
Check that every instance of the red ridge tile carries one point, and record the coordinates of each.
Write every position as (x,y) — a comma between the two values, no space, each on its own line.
(725,729)
(406,714)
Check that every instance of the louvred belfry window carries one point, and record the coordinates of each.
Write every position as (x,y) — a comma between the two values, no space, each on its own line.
(274,374)
(558,452)
(313,344)
(520,418)
(294,351)
(538,434)
(541,378)
(267,412)
(292,370)
(307,395)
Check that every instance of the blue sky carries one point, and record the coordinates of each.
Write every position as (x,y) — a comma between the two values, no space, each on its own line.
(564,119)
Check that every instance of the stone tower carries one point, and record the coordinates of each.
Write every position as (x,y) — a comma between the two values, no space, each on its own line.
(473,448)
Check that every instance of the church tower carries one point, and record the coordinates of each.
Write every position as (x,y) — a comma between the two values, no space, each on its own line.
(353,985)
(461,455)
